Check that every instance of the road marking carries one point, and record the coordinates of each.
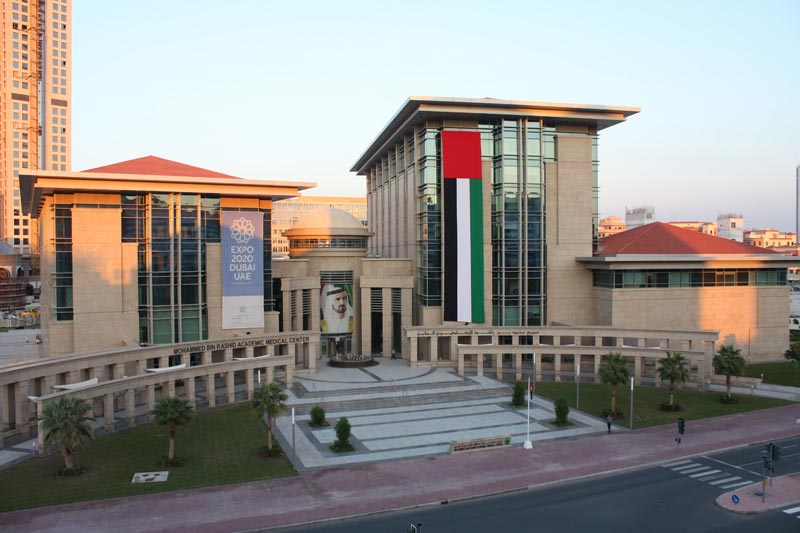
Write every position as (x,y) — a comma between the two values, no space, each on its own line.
(670,465)
(734,485)
(793,510)
(726,480)
(684,467)
(732,466)
(703,474)
(698,469)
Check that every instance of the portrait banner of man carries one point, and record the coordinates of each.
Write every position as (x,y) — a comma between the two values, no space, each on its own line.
(336,308)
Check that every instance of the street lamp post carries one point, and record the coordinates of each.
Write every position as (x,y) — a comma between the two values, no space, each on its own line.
(577,382)
(631,403)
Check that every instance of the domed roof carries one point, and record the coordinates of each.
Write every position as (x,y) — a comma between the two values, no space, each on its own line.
(327,221)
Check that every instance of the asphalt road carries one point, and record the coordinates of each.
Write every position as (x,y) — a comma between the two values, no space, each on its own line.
(670,499)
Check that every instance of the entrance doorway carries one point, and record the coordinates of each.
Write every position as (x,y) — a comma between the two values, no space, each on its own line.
(338,345)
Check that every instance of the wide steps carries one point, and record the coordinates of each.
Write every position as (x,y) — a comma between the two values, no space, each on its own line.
(330,404)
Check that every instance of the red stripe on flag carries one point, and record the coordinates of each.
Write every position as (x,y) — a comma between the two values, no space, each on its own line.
(461,154)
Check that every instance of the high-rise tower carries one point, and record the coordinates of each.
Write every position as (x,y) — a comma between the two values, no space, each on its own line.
(35,77)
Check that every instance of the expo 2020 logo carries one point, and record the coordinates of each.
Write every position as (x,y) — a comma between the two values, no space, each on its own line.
(242,230)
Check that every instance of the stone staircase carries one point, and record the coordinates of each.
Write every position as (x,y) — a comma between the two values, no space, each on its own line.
(393,395)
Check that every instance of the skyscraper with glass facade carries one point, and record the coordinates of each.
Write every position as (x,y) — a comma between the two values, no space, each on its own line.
(540,196)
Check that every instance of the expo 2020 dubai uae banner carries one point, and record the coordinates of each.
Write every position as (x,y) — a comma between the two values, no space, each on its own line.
(242,270)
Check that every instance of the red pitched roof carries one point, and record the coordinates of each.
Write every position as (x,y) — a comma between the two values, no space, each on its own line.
(660,238)
(156,166)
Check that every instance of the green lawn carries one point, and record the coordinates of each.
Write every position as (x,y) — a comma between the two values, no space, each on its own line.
(783,373)
(220,446)
(647,401)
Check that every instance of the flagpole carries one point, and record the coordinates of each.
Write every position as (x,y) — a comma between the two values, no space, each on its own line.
(528,444)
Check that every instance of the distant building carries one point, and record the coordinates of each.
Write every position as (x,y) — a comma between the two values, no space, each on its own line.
(35,109)
(610,226)
(639,216)
(286,212)
(731,226)
(768,238)
(709,228)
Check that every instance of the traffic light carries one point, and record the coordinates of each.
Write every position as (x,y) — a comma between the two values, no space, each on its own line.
(681,425)
(776,452)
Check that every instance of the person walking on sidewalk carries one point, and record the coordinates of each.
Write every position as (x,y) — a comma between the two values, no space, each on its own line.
(609,421)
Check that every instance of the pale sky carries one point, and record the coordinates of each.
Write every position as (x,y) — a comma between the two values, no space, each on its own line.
(298,90)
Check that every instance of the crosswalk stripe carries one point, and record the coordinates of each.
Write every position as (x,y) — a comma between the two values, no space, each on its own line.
(698,469)
(670,465)
(719,476)
(734,485)
(793,510)
(703,474)
(684,467)
(726,480)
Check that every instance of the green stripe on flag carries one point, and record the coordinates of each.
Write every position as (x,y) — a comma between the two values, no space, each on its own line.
(476,247)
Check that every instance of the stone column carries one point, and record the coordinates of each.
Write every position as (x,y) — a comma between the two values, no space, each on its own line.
(366,320)
(141,366)
(405,319)
(171,388)
(205,357)
(248,378)
(460,363)
(537,360)
(289,375)
(230,389)
(97,372)
(191,392)
(150,397)
(74,376)
(598,360)
(480,364)
(211,392)
(39,429)
(412,354)
(434,344)
(108,412)
(557,366)
(47,385)
(22,411)
(270,349)
(130,407)
(5,412)
(518,366)
(228,357)
(119,371)
(498,363)
(637,370)
(248,351)
(163,361)
(287,309)
(386,315)
(270,374)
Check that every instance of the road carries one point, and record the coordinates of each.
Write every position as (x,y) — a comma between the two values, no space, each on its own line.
(675,497)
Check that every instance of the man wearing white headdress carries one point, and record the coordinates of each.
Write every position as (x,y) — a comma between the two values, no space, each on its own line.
(337,313)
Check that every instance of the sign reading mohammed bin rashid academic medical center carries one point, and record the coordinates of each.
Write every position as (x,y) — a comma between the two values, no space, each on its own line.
(242,270)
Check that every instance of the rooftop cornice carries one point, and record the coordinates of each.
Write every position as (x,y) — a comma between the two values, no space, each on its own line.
(417,108)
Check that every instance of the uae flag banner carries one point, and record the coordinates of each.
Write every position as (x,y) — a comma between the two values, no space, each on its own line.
(463,226)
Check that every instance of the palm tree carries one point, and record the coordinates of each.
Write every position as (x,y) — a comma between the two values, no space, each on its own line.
(675,370)
(66,422)
(269,400)
(172,412)
(614,372)
(728,362)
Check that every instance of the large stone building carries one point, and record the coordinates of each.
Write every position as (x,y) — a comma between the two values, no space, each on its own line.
(481,253)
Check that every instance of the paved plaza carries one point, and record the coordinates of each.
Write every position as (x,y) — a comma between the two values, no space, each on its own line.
(400,412)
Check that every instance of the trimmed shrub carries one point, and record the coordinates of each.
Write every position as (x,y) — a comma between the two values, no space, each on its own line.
(562,411)
(318,417)
(518,396)
(342,443)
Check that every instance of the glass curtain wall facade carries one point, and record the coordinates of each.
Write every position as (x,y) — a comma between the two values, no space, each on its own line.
(172,231)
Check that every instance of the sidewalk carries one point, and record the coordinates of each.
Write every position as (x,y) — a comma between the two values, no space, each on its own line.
(317,495)
(785,490)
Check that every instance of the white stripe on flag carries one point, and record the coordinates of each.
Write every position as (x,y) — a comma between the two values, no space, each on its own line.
(464,260)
